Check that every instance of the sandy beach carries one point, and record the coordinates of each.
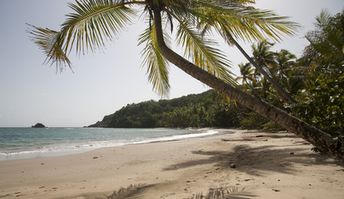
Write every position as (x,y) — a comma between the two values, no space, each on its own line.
(247,164)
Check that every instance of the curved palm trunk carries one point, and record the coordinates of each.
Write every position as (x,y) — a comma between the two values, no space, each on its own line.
(281,92)
(323,141)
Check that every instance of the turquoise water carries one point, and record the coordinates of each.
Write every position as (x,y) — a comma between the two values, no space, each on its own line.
(19,143)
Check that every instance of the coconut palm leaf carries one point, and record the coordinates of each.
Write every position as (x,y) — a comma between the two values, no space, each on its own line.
(157,66)
(243,22)
(92,23)
(46,38)
(202,52)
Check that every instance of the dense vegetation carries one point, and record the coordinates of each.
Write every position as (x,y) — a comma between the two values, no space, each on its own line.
(322,100)
(207,109)
(315,80)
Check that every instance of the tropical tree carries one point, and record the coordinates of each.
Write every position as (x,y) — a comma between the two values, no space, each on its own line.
(290,71)
(93,22)
(285,60)
(323,96)
(263,55)
(247,72)
(327,41)
(249,79)
(266,59)
(261,67)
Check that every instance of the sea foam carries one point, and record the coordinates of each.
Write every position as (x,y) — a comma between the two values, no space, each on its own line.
(136,136)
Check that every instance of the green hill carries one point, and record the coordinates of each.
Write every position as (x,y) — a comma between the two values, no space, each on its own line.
(207,109)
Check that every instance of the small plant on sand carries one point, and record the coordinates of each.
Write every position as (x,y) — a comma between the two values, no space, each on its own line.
(224,193)
(127,192)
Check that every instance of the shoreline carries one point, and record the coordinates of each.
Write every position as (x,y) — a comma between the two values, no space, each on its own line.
(266,166)
(78,148)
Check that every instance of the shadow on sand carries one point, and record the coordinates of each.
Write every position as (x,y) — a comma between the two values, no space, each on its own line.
(256,160)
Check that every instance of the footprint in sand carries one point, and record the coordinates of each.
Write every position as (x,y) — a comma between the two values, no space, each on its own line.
(16,194)
(167,195)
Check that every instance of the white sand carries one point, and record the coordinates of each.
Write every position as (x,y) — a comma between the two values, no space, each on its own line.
(273,166)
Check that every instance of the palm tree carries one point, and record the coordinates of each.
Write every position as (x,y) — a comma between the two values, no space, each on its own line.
(266,62)
(248,78)
(263,55)
(262,69)
(93,22)
(285,60)
(247,73)
(326,42)
(284,67)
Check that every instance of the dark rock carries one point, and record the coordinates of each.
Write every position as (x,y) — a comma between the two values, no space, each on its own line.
(38,125)
(259,136)
(232,165)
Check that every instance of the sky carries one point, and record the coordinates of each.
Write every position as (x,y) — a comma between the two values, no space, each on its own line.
(105,81)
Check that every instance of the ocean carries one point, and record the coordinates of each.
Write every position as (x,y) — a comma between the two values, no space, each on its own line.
(22,143)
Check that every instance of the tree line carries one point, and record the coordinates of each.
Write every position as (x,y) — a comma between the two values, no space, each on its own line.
(208,109)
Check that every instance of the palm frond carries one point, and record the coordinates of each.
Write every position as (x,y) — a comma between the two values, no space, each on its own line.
(226,3)
(157,65)
(323,19)
(243,22)
(204,55)
(46,39)
(92,23)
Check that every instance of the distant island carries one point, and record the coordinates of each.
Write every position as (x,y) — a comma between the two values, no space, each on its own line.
(207,109)
(38,125)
